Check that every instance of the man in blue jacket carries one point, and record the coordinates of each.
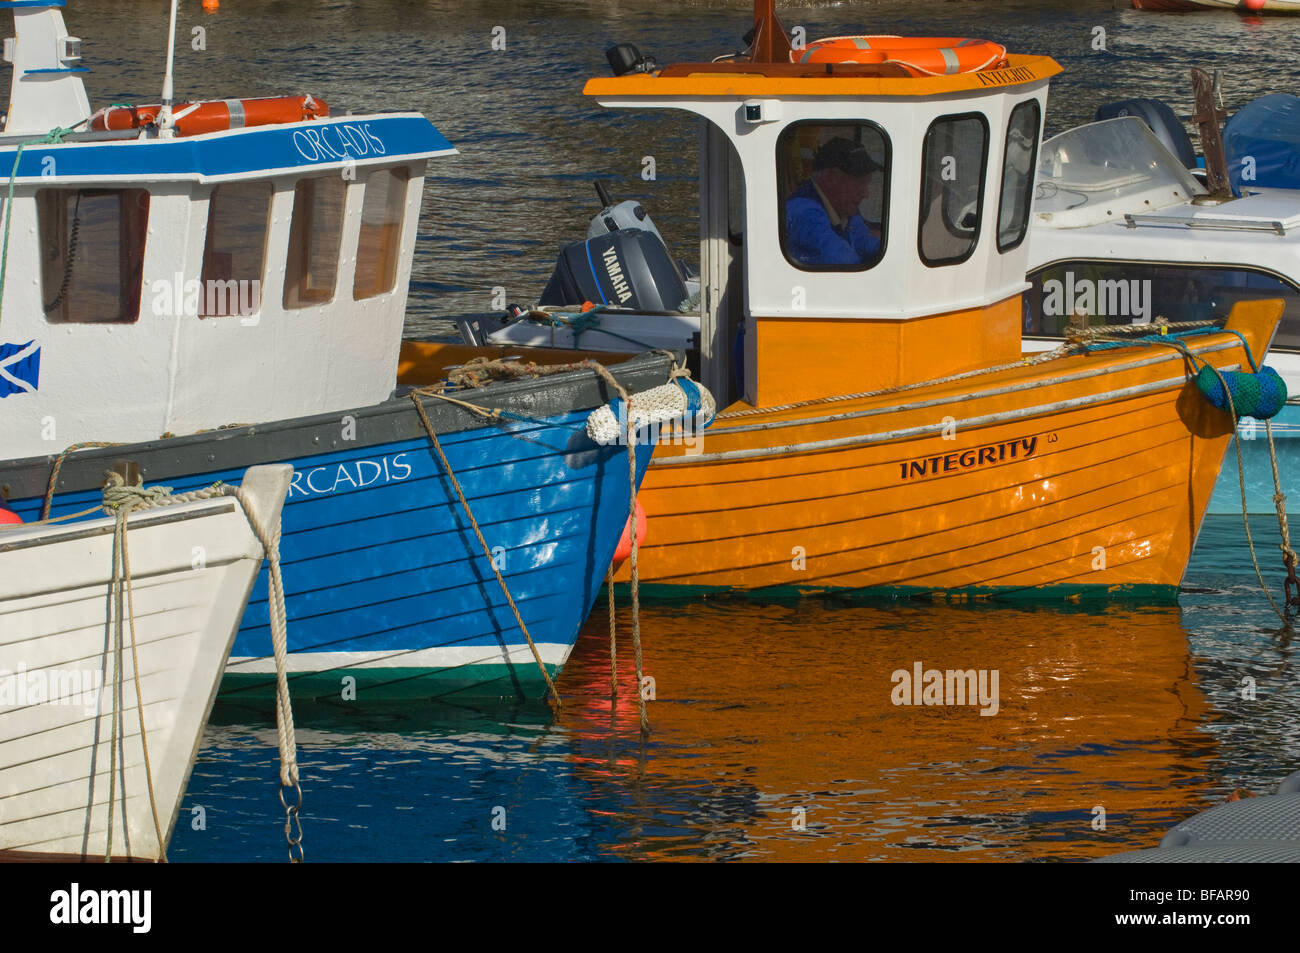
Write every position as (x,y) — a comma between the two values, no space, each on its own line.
(823,224)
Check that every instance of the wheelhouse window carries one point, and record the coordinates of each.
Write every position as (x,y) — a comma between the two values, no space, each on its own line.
(1111,293)
(234,254)
(312,270)
(833,189)
(92,254)
(1018,174)
(379,244)
(954,159)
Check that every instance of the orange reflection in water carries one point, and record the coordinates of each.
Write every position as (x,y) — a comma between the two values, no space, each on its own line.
(766,709)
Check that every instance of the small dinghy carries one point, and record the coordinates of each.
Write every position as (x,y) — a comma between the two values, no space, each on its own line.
(111,649)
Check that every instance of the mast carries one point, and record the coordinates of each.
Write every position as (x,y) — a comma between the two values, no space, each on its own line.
(771,44)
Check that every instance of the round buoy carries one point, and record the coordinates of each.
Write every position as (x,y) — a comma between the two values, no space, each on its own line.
(8,517)
(624,550)
(211,5)
(1255,5)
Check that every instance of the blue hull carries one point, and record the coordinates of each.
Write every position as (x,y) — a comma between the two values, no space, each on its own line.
(388,590)
(1258,469)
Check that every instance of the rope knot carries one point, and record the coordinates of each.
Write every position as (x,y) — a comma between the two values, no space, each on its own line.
(118,494)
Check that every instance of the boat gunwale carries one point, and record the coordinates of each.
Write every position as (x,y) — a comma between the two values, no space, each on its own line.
(926,430)
(392,420)
(42,534)
(721,429)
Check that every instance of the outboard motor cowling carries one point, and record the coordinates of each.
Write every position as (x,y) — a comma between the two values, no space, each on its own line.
(627,214)
(627,268)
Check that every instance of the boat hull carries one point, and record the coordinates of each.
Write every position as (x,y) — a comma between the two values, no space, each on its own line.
(59,671)
(1188,6)
(1085,476)
(388,590)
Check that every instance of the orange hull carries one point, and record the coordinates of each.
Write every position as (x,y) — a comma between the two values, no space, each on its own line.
(1089,472)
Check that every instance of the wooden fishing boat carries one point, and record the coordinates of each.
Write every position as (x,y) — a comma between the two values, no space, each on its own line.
(887,432)
(1238,6)
(211,288)
(89,769)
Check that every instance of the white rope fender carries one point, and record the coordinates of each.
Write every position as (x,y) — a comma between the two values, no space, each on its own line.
(682,401)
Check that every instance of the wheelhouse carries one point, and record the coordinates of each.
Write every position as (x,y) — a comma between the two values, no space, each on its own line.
(193,281)
(945,198)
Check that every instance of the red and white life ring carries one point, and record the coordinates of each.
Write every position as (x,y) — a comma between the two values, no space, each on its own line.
(926,56)
(194,119)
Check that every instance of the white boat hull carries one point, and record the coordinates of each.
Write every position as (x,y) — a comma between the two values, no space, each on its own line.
(192,568)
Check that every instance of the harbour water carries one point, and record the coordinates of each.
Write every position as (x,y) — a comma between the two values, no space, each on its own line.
(776,732)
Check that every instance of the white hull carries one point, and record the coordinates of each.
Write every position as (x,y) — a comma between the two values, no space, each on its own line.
(58,669)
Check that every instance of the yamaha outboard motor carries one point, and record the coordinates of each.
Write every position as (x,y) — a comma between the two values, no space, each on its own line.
(624,262)
(1161,121)
(627,268)
(613,216)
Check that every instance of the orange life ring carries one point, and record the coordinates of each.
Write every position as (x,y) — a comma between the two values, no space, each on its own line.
(921,56)
(194,119)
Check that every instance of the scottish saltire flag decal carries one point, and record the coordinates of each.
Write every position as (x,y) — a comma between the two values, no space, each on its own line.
(20,368)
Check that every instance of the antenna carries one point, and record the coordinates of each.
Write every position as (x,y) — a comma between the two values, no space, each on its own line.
(165,123)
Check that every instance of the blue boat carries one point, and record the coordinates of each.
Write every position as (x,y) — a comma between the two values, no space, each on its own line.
(222,283)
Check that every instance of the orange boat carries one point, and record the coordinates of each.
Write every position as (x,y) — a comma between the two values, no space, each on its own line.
(884,430)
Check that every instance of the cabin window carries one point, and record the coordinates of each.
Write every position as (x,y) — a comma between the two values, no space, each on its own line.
(833,189)
(1018,174)
(380,241)
(313,264)
(92,254)
(953,162)
(234,254)
(1111,292)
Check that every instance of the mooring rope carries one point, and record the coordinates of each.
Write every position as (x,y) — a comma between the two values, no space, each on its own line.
(1292,600)
(613,635)
(630,433)
(480,371)
(487,550)
(270,540)
(120,500)
(58,465)
(52,138)
(1180,346)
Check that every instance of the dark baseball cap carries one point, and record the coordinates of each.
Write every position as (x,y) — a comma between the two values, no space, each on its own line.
(845,155)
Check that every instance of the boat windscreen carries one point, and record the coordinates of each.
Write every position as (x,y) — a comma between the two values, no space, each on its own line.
(1110,167)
